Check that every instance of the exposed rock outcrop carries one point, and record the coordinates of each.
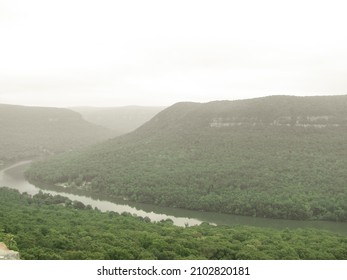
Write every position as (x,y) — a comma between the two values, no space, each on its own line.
(7,254)
(300,121)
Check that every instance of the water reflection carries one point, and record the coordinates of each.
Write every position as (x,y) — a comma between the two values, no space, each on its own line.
(13,177)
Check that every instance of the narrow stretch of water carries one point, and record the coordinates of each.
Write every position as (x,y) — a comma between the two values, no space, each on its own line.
(13,177)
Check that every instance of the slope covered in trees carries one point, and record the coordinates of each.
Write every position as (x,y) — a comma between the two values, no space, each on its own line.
(280,157)
(120,119)
(31,131)
(47,227)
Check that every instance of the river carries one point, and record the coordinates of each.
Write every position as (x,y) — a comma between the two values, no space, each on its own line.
(13,177)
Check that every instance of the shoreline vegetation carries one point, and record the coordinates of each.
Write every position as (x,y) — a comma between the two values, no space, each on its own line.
(179,216)
(53,227)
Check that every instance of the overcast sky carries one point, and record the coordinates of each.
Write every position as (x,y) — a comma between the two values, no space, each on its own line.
(116,53)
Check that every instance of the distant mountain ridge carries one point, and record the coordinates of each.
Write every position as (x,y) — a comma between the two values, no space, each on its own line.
(271,110)
(120,119)
(32,131)
(276,156)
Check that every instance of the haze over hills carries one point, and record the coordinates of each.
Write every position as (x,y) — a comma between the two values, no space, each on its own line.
(120,119)
(278,156)
(27,132)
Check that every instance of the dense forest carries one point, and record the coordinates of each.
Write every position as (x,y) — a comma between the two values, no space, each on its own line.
(28,132)
(279,157)
(120,119)
(54,227)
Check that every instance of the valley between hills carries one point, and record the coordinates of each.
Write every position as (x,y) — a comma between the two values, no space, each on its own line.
(281,157)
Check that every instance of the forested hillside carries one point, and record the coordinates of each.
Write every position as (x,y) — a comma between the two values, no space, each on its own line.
(28,132)
(279,156)
(120,119)
(47,227)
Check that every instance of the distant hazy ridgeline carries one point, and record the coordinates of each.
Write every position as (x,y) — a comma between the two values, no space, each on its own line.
(281,157)
(120,119)
(32,131)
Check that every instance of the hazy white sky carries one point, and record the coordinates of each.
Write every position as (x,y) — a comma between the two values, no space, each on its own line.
(115,53)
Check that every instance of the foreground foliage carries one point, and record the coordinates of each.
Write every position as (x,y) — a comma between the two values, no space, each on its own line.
(47,227)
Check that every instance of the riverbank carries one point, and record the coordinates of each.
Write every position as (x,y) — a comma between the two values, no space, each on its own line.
(13,177)
(45,227)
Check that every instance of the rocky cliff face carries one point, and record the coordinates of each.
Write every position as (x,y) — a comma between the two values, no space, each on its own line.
(7,254)
(301,121)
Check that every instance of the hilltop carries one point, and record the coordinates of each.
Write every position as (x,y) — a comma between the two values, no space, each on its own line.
(28,132)
(278,156)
